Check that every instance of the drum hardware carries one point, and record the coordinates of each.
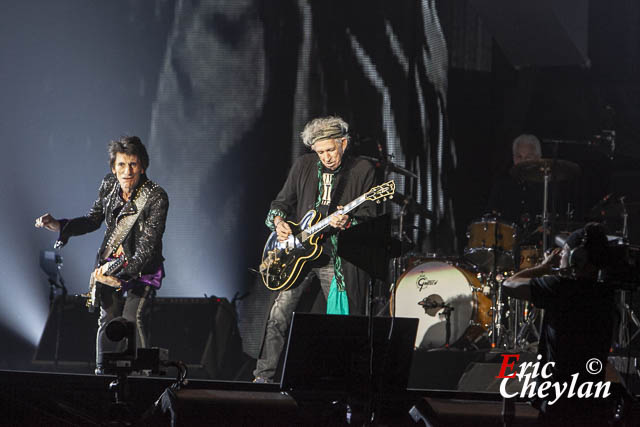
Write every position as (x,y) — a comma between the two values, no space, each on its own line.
(445,290)
(545,171)
(490,243)
(431,302)
(410,206)
(497,336)
(530,317)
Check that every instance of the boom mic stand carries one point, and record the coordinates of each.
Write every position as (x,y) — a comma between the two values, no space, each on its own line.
(369,246)
(626,312)
(51,264)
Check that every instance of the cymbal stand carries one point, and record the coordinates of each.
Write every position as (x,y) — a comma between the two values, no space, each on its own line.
(524,315)
(520,338)
(497,328)
(545,211)
(626,313)
(397,260)
(530,323)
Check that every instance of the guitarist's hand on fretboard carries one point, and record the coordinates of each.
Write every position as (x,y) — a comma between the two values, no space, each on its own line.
(283,230)
(107,280)
(337,220)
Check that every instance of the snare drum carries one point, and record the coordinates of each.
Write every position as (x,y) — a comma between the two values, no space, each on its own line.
(438,284)
(490,237)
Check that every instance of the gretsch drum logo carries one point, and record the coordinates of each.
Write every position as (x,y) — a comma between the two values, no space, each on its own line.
(423,281)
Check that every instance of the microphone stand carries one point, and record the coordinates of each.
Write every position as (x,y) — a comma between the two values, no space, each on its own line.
(447,315)
(626,312)
(57,282)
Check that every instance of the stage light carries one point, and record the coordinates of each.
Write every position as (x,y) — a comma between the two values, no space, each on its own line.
(23,307)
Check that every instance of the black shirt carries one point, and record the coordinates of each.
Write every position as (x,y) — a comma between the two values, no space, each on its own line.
(578,324)
(516,201)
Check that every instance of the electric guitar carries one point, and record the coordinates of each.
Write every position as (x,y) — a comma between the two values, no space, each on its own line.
(91,295)
(283,261)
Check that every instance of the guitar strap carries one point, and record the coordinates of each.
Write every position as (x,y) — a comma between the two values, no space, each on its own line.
(341,184)
(125,225)
(337,190)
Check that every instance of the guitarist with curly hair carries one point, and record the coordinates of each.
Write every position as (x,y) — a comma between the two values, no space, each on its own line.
(319,185)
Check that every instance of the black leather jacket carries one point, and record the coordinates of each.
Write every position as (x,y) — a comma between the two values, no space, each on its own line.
(143,245)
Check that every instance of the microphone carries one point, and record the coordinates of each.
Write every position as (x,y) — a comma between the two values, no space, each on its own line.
(427,302)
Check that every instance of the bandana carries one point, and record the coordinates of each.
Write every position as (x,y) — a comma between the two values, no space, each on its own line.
(330,132)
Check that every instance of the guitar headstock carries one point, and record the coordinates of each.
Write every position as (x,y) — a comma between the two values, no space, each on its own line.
(381,192)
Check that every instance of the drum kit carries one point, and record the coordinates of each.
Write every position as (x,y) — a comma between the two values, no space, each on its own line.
(458,300)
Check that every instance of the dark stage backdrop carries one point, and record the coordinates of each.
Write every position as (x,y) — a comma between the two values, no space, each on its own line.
(218,90)
(492,101)
(238,82)
(73,75)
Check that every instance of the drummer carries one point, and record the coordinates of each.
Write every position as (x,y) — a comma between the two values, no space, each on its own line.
(514,200)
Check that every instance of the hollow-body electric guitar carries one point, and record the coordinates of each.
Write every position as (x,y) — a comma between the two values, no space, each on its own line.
(283,261)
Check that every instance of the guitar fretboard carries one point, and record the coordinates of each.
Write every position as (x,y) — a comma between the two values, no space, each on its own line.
(322,224)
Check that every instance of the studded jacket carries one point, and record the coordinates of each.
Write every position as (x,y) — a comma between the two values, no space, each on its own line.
(143,245)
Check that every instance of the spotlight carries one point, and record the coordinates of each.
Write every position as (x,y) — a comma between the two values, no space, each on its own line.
(132,359)
(119,329)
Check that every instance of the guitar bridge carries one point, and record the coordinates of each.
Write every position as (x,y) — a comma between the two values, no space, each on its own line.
(269,261)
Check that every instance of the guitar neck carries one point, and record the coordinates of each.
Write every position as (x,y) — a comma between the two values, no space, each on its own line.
(322,224)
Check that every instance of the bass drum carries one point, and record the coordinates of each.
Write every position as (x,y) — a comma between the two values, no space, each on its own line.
(425,290)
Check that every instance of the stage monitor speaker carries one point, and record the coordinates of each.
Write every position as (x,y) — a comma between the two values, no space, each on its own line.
(72,329)
(331,353)
(201,332)
(440,369)
(482,377)
(538,33)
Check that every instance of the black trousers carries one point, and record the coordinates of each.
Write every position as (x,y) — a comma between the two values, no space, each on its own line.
(280,318)
(135,307)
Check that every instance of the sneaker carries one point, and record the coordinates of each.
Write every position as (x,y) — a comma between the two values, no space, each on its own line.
(262,380)
(99,370)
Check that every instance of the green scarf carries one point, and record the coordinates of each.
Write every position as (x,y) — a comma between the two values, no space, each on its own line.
(337,301)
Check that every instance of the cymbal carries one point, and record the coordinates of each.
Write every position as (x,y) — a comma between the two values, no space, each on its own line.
(535,170)
(412,205)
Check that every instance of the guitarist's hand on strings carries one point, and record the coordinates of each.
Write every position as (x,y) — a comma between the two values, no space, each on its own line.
(283,230)
(48,222)
(107,280)
(337,220)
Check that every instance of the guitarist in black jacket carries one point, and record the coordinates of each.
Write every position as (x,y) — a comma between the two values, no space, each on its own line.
(135,211)
(324,180)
